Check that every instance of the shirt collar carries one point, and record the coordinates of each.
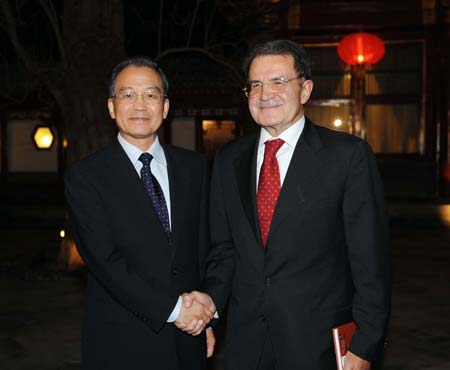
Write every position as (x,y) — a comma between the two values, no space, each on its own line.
(290,136)
(156,150)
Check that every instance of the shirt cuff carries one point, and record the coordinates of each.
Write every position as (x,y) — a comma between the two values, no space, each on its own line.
(176,311)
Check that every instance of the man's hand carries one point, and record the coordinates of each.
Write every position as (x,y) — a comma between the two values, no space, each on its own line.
(193,319)
(353,362)
(210,342)
(200,297)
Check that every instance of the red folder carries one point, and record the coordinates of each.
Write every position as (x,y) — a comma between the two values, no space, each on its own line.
(342,337)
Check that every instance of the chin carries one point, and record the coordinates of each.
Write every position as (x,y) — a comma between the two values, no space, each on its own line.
(269,123)
(268,120)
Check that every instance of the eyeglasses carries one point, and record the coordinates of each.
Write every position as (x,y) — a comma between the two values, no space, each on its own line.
(275,85)
(150,96)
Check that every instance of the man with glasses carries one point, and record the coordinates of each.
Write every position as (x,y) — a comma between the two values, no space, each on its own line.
(138,215)
(299,234)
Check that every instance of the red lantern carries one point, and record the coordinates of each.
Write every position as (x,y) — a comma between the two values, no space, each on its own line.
(361,48)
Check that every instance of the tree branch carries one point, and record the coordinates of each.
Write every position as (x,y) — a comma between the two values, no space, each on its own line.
(160,25)
(52,16)
(193,21)
(208,25)
(10,27)
(238,77)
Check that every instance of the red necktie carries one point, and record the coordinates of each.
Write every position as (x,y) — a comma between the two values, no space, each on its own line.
(268,187)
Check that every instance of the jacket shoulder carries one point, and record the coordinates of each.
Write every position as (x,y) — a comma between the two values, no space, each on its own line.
(185,158)
(186,154)
(92,162)
(333,137)
(340,143)
(238,145)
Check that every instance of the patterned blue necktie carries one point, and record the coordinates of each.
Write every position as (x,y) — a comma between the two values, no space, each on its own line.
(154,190)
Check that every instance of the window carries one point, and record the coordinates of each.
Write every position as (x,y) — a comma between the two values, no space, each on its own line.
(393,101)
(393,128)
(22,153)
(216,133)
(391,106)
(330,104)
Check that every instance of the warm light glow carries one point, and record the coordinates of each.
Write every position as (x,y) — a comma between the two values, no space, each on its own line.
(46,141)
(444,213)
(74,259)
(62,233)
(68,255)
(65,143)
(43,137)
(207,124)
(361,58)
(337,123)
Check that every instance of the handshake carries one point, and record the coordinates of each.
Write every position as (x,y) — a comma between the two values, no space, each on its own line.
(197,310)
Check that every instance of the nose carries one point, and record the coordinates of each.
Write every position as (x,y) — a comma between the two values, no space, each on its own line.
(139,103)
(266,91)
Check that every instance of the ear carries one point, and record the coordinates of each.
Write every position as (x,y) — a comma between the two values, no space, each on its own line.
(112,112)
(166,108)
(307,89)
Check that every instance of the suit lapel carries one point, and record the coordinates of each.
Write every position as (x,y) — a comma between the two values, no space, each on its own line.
(131,183)
(303,168)
(124,176)
(245,170)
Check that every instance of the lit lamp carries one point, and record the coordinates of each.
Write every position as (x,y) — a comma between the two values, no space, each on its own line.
(43,137)
(337,122)
(360,50)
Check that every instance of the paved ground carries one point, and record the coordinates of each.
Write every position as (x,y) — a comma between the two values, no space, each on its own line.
(40,307)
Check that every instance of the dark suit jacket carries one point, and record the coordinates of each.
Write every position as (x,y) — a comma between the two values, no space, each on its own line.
(326,259)
(135,278)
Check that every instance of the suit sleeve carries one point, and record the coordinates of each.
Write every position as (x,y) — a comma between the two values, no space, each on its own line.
(149,299)
(220,261)
(367,241)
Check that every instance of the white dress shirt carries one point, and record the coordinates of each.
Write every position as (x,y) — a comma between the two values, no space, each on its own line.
(159,169)
(158,165)
(290,137)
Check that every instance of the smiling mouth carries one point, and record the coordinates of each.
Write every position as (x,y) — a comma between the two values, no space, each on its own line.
(138,119)
(269,106)
(269,103)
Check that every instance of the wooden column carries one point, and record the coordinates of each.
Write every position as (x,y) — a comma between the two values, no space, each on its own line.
(358,73)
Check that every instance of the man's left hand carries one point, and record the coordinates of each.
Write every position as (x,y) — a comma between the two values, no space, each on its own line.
(353,362)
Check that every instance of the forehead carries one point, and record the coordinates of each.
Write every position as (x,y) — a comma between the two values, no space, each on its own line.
(271,66)
(138,77)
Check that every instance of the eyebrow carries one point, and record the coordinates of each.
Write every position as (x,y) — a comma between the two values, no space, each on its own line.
(147,88)
(270,79)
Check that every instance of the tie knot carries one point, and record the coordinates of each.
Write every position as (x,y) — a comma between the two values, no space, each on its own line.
(146,158)
(272,146)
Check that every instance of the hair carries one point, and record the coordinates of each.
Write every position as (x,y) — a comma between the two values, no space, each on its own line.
(139,61)
(302,61)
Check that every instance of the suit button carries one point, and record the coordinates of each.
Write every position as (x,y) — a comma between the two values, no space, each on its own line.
(268,281)
(174,272)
